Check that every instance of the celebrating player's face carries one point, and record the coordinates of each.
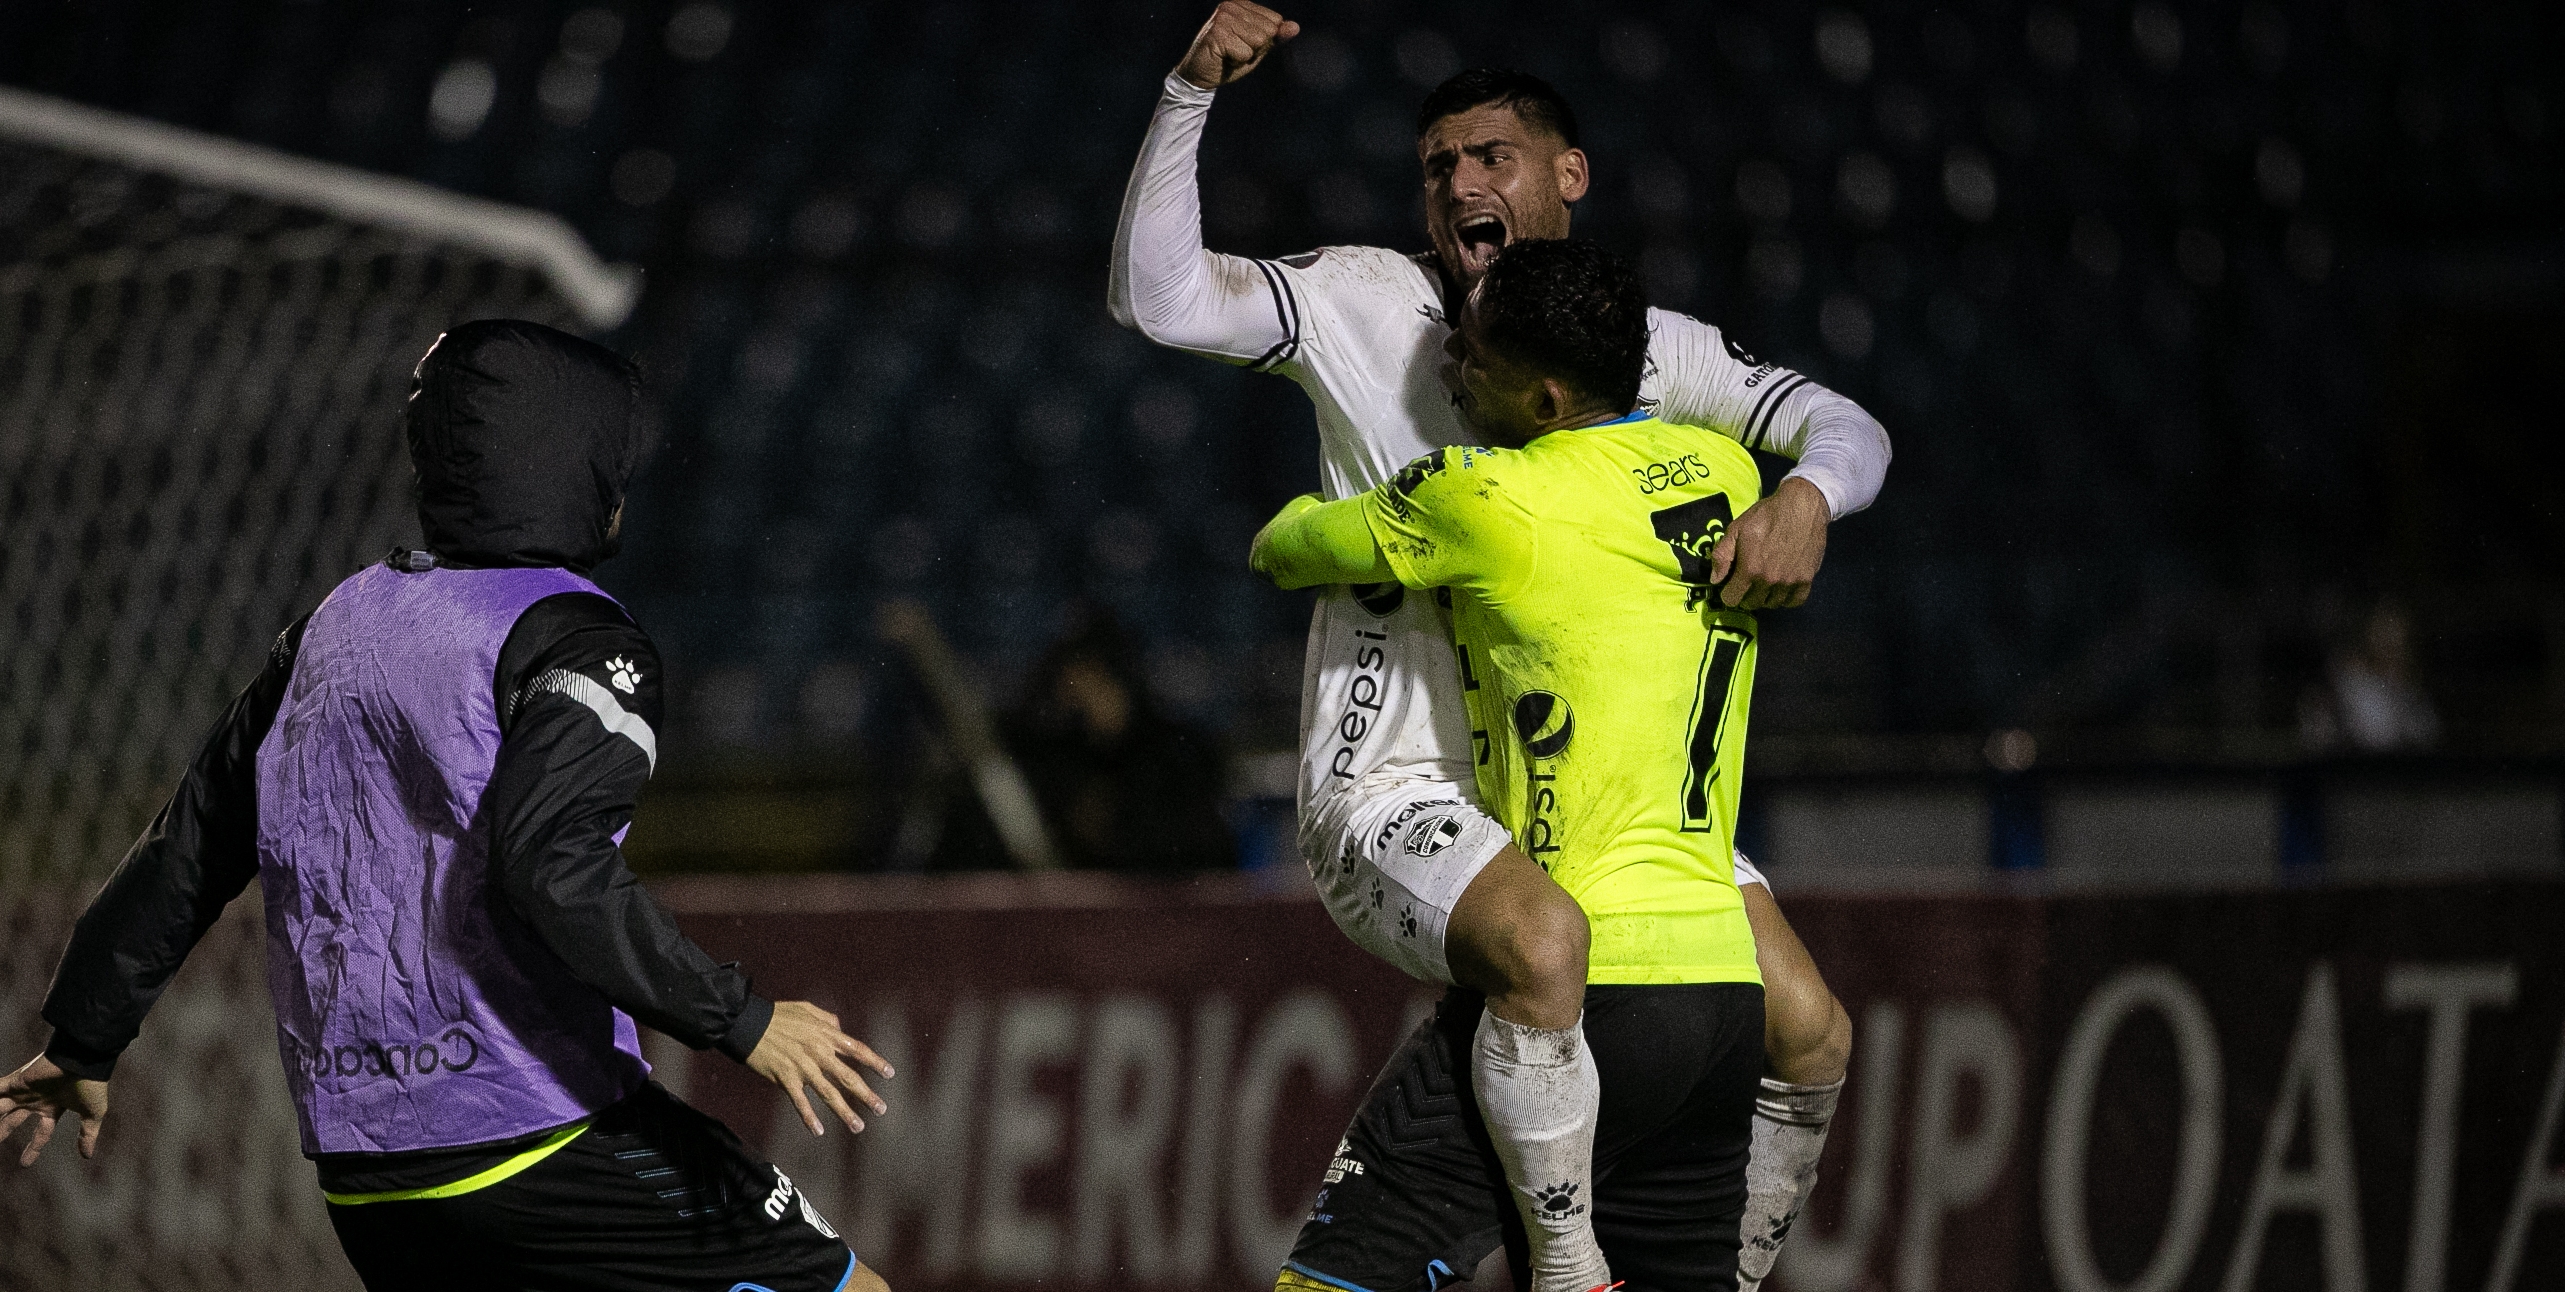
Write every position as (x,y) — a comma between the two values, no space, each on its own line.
(1490,179)
(1499,398)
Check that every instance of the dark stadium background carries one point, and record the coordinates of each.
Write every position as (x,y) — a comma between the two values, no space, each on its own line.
(2168,773)
(2201,332)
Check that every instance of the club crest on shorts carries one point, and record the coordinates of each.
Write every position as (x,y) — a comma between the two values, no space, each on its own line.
(1433,834)
(811,1216)
(1544,723)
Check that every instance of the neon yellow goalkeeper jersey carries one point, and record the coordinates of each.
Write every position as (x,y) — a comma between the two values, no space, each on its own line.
(1607,687)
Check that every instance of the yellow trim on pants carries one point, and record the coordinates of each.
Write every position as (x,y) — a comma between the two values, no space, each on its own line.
(550,1145)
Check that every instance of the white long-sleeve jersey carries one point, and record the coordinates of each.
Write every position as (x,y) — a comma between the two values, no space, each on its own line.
(1361,329)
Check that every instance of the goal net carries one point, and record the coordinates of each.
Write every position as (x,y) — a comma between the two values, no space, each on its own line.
(204,347)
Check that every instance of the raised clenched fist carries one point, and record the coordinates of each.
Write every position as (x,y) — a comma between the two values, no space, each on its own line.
(1235,39)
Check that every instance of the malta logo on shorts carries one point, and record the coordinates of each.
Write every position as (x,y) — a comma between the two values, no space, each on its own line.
(785,1199)
(1433,834)
(1545,724)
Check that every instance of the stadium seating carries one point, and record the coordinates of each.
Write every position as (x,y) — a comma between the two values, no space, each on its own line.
(2127,283)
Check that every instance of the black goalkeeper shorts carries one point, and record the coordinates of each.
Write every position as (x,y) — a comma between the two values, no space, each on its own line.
(1416,1197)
(654,1196)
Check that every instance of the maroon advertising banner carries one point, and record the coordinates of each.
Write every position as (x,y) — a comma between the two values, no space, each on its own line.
(2335,1089)
(1110,1084)
(1100,1084)
(1116,1085)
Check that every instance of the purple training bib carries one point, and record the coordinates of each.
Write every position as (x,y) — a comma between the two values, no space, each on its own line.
(412,1011)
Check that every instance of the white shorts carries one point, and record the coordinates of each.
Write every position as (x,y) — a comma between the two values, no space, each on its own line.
(1746,872)
(1391,856)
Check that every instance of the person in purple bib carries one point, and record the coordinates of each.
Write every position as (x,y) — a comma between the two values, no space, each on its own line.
(433,777)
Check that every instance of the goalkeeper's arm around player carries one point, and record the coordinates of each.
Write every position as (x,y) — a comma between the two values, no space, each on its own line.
(1309,543)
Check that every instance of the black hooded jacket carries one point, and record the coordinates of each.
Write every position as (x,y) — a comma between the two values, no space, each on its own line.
(523,439)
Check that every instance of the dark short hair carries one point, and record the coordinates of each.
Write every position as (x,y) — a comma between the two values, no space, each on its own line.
(1569,309)
(1536,101)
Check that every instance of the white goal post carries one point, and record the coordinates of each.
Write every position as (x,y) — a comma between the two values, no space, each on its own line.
(603,294)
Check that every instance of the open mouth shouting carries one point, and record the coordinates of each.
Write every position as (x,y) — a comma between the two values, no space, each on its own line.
(1479,235)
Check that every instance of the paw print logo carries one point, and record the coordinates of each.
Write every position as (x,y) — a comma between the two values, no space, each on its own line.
(1557,1201)
(623,673)
(1377,895)
(1407,922)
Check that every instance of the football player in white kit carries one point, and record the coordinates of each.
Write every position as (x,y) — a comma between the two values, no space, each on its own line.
(1409,867)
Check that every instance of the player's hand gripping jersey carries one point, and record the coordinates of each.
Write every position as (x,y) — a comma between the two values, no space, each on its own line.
(1606,686)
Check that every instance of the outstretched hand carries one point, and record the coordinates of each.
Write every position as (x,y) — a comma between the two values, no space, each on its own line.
(44,1093)
(1769,557)
(1237,36)
(803,1048)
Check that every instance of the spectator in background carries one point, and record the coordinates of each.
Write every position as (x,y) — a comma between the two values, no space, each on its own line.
(2368,701)
(1121,785)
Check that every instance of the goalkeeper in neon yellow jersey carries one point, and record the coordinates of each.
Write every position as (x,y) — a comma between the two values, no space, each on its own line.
(1607,689)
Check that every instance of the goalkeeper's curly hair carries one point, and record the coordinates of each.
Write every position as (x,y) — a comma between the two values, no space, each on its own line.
(1569,309)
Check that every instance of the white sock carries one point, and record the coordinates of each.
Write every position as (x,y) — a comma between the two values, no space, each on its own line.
(1781,1168)
(1538,1090)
